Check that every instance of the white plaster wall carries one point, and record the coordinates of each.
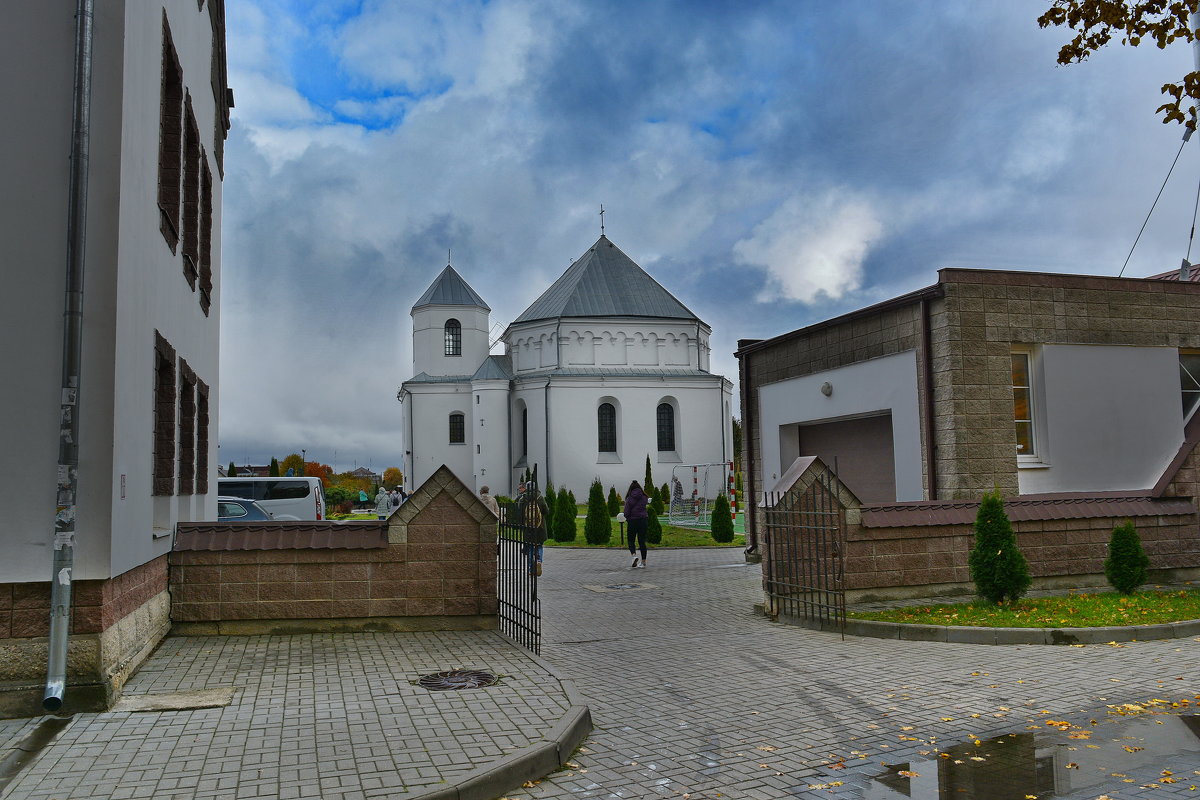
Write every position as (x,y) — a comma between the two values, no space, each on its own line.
(609,343)
(430,408)
(531,395)
(429,340)
(490,463)
(702,428)
(887,384)
(132,282)
(1113,418)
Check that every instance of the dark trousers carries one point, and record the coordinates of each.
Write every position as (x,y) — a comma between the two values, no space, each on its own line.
(637,528)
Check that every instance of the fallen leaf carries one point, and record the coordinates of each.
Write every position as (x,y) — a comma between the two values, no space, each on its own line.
(766,748)
(908,773)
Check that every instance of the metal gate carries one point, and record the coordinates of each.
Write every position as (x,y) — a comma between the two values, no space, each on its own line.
(804,566)
(519,608)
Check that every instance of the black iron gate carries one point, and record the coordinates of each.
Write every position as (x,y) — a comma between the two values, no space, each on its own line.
(804,566)
(519,608)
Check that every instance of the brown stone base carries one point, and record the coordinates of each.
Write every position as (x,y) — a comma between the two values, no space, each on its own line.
(257,627)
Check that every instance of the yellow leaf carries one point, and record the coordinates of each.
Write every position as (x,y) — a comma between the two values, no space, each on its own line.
(908,773)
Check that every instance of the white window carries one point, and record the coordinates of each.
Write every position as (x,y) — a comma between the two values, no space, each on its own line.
(1189,381)
(1028,414)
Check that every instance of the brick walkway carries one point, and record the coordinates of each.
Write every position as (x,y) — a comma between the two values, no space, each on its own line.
(694,696)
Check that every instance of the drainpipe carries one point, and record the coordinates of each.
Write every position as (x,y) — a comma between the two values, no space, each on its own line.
(546,401)
(751,498)
(68,439)
(927,379)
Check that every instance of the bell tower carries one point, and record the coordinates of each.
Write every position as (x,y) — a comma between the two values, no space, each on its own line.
(450,328)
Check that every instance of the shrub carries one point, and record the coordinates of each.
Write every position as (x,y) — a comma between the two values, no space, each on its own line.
(653,529)
(664,494)
(721,525)
(551,497)
(1126,564)
(574,503)
(614,502)
(648,483)
(564,518)
(997,565)
(339,495)
(597,528)
(656,502)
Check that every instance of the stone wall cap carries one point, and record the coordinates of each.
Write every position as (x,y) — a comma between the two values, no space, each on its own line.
(1024,508)
(281,535)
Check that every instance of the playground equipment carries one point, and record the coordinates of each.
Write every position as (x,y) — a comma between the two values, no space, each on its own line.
(694,488)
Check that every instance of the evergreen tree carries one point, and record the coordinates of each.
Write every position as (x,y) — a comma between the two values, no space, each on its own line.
(998,567)
(737,482)
(1126,564)
(721,524)
(273,470)
(656,501)
(574,503)
(664,494)
(232,471)
(550,499)
(564,518)
(533,476)
(648,483)
(597,528)
(653,529)
(614,502)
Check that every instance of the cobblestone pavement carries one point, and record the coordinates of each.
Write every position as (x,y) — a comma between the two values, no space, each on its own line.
(312,716)
(695,696)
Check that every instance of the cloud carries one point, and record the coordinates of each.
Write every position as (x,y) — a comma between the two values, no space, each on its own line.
(812,248)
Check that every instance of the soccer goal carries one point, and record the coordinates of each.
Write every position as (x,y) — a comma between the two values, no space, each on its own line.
(694,489)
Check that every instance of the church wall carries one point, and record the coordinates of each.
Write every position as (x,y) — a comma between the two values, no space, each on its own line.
(491,425)
(428,435)
(610,343)
(702,429)
(429,342)
(530,398)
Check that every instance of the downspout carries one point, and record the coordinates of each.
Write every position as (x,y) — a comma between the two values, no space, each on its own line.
(508,470)
(546,401)
(751,498)
(927,379)
(68,439)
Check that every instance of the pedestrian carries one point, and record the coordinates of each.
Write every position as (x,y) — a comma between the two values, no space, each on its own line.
(383,504)
(394,497)
(531,516)
(489,501)
(362,498)
(638,519)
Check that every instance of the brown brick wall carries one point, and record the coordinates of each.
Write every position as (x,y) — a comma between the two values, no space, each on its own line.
(95,605)
(440,560)
(888,558)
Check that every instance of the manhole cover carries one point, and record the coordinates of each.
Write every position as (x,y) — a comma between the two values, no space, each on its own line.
(456,679)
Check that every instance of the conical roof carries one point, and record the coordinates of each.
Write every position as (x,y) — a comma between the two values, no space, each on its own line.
(449,289)
(605,282)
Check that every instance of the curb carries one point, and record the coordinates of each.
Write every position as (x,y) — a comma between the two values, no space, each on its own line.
(531,762)
(1050,636)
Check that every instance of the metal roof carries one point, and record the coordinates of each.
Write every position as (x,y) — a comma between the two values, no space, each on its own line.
(494,368)
(449,289)
(605,282)
(425,377)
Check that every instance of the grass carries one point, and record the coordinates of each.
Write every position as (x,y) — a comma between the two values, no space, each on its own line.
(372,515)
(1074,610)
(672,536)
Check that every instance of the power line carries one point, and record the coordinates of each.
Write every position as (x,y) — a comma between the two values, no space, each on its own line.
(1155,203)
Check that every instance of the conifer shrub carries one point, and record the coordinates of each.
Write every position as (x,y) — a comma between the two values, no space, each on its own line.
(656,502)
(998,566)
(564,518)
(648,482)
(653,529)
(664,494)
(232,471)
(273,469)
(721,525)
(574,502)
(614,502)
(597,527)
(551,497)
(1126,564)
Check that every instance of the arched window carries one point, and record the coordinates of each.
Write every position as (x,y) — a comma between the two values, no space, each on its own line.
(458,429)
(453,338)
(666,427)
(606,425)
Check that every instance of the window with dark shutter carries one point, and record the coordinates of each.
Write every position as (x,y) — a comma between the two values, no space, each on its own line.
(187,428)
(191,195)
(164,417)
(201,437)
(206,215)
(170,139)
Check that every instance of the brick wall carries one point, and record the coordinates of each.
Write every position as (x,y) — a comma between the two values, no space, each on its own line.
(918,561)
(433,567)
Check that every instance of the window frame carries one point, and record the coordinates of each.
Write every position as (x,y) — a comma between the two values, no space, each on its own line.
(170,139)
(1036,405)
(459,420)
(1189,413)
(606,429)
(660,430)
(452,338)
(163,441)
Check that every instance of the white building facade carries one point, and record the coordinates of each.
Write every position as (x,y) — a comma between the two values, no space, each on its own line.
(147,395)
(605,368)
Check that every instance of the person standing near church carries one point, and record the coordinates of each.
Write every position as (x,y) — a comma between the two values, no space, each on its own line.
(488,500)
(638,519)
(531,516)
(383,504)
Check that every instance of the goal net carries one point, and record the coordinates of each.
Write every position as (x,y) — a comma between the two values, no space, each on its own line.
(694,489)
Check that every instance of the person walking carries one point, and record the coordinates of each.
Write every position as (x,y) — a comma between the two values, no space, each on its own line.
(383,504)
(638,519)
(531,516)
(488,500)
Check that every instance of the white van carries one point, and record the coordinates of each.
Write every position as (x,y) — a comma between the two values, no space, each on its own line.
(286,498)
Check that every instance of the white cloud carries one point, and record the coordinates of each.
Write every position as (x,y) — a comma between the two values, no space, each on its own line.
(812,247)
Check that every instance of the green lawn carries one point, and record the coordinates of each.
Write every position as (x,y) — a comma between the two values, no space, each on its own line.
(1074,610)
(672,536)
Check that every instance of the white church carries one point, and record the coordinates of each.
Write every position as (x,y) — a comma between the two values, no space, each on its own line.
(603,369)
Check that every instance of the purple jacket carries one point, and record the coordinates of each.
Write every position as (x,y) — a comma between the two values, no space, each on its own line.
(635,504)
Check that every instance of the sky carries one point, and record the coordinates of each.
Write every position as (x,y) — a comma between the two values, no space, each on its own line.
(772,164)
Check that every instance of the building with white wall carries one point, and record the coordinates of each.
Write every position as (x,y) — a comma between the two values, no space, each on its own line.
(605,368)
(1032,383)
(147,390)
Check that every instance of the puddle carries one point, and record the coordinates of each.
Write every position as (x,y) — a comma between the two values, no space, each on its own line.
(1051,763)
